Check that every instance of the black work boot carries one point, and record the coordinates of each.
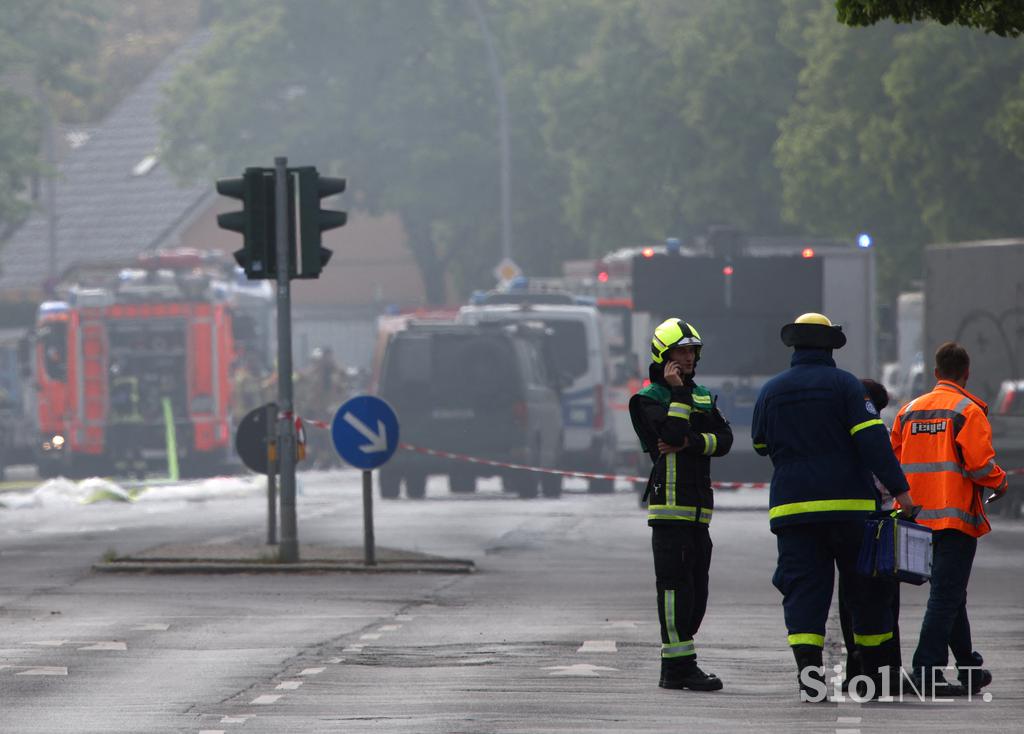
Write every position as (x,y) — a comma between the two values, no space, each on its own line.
(971,675)
(810,673)
(852,669)
(880,663)
(931,681)
(680,675)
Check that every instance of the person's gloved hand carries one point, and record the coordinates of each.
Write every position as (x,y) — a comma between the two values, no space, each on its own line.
(997,494)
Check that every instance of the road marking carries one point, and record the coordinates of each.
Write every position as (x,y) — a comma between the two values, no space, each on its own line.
(335,661)
(847,731)
(389,627)
(106,645)
(624,623)
(49,643)
(312,671)
(370,636)
(45,670)
(353,648)
(403,617)
(579,670)
(597,646)
(848,720)
(153,627)
(211,731)
(289,685)
(235,719)
(266,699)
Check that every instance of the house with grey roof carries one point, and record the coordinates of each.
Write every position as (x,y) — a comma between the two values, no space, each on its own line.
(113,197)
(115,200)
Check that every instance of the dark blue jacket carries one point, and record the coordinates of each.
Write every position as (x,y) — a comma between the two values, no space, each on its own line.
(825,440)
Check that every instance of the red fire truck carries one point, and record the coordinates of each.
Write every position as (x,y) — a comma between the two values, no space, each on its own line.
(134,365)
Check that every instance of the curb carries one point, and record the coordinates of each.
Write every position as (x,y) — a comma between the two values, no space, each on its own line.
(171,566)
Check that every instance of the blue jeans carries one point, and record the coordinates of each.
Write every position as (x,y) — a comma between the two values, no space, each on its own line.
(945,626)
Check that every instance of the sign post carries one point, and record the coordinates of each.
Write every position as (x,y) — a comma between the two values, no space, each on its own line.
(365,434)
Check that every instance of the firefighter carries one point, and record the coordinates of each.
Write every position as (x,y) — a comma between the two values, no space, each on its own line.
(825,440)
(680,429)
(246,391)
(944,441)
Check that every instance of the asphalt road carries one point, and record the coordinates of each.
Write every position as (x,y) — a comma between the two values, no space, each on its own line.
(555,632)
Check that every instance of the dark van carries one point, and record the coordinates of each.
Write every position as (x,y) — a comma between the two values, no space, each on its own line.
(484,391)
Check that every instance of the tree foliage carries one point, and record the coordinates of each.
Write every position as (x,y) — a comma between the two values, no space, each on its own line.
(1002,17)
(631,120)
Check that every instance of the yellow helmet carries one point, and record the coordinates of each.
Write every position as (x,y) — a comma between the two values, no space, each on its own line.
(813,331)
(673,333)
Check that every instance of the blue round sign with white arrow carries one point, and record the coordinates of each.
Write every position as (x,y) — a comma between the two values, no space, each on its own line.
(365,432)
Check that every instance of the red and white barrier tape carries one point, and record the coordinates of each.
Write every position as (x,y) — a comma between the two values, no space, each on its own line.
(564,473)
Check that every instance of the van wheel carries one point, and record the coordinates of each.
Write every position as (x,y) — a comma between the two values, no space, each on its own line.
(388,482)
(462,482)
(601,486)
(415,485)
(551,485)
(523,483)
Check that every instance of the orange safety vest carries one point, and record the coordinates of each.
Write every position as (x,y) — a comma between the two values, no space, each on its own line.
(944,443)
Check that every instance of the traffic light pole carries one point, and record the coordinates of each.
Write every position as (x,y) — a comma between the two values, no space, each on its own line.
(288,549)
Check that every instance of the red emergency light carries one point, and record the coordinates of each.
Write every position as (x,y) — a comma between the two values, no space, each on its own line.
(727,270)
(807,253)
(602,277)
(647,252)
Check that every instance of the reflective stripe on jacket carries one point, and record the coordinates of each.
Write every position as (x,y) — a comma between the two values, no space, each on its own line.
(944,442)
(825,440)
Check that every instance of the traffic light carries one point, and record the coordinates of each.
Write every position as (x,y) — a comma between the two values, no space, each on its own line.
(255,222)
(313,220)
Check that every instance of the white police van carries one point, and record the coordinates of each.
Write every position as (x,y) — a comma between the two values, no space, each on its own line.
(580,355)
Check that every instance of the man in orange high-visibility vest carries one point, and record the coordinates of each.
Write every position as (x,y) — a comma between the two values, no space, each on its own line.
(944,443)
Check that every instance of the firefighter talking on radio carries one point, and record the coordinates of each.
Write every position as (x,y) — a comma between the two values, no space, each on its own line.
(680,428)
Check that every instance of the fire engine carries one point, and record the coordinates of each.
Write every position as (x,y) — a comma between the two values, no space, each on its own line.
(133,365)
(738,290)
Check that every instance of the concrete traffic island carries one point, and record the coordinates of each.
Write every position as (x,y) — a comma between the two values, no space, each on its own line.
(257,557)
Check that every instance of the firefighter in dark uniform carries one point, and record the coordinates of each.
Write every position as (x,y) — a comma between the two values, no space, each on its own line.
(680,428)
(825,440)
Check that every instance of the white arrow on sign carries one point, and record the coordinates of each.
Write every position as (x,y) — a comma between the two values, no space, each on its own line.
(378,441)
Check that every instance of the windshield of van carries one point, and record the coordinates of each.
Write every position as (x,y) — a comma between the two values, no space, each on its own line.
(453,367)
(53,338)
(569,346)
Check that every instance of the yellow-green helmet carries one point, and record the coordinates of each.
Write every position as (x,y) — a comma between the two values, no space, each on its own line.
(673,333)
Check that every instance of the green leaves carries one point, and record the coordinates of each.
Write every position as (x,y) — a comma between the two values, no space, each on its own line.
(1002,17)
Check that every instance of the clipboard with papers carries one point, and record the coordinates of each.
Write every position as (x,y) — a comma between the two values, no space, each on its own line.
(896,548)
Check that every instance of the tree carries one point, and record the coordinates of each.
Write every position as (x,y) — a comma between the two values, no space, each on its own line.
(42,46)
(396,96)
(1002,17)
(906,132)
(666,123)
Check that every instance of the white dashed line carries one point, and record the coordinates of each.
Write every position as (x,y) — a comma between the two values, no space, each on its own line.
(312,671)
(211,731)
(289,685)
(403,617)
(847,731)
(335,661)
(389,627)
(45,670)
(370,636)
(266,699)
(353,648)
(597,646)
(154,627)
(580,670)
(848,720)
(235,719)
(106,645)
(624,624)
(49,643)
